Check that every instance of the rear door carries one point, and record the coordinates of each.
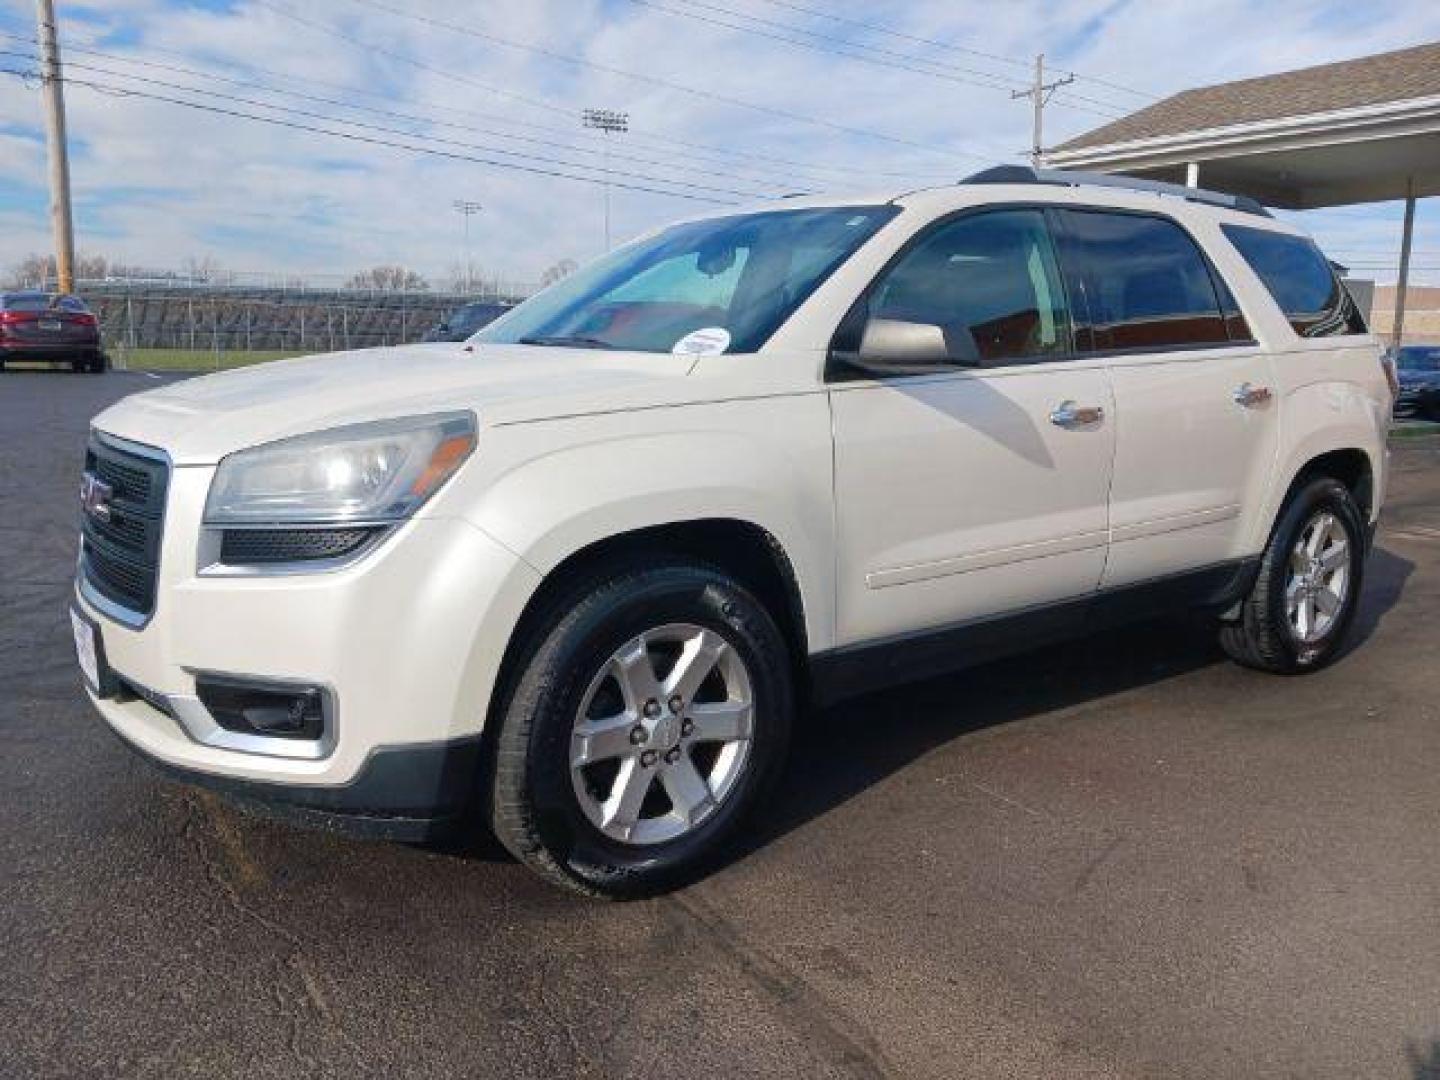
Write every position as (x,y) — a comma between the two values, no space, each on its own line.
(1196,416)
(977,484)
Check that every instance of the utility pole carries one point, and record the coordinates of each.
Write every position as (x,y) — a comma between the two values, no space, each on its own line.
(608,122)
(468,209)
(53,92)
(1040,94)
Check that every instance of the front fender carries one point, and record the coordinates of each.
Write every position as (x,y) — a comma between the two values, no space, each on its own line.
(553,488)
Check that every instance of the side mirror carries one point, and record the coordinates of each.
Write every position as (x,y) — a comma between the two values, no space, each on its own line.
(890,347)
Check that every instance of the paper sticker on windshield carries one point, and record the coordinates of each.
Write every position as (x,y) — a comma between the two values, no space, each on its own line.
(711,341)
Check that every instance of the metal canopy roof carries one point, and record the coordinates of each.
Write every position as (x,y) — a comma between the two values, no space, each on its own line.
(1359,131)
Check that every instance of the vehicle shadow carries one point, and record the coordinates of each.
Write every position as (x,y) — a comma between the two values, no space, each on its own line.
(839,752)
(1423,1059)
(1385,576)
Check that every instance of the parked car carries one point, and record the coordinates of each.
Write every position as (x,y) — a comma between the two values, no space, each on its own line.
(465,321)
(49,327)
(1418,369)
(581,574)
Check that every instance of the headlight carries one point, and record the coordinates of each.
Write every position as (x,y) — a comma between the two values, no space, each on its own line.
(376,472)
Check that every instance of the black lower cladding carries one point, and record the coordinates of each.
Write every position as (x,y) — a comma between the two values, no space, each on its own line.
(400,793)
(859,669)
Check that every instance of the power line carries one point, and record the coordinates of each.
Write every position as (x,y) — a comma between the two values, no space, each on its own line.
(364,126)
(430,151)
(692,148)
(651,79)
(849,50)
(951,46)
(402,116)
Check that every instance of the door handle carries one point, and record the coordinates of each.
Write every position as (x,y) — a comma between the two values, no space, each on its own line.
(1249,395)
(1070,415)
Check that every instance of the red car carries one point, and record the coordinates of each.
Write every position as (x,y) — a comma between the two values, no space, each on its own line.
(49,327)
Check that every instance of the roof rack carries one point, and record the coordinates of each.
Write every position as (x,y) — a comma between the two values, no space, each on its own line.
(1024,174)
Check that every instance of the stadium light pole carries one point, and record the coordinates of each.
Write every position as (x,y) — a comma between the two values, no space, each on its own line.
(608,122)
(52,89)
(467,209)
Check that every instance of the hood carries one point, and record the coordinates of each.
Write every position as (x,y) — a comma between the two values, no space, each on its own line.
(198,421)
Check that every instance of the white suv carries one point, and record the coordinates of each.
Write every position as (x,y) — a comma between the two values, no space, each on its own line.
(580,571)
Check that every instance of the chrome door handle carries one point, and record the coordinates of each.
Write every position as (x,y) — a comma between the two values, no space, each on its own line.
(1070,415)
(1249,395)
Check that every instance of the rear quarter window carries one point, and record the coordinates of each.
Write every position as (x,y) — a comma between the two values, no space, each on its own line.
(1300,279)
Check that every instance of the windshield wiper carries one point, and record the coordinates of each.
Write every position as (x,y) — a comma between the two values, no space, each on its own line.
(579,341)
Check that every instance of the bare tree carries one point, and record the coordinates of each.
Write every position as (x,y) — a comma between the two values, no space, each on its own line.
(38,271)
(203,269)
(562,269)
(388,279)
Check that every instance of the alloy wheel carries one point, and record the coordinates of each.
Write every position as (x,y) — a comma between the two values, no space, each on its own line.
(1317,580)
(662,735)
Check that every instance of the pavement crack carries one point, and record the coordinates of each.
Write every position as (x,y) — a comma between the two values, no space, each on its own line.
(1084,877)
(804,1007)
(233,857)
(584,1064)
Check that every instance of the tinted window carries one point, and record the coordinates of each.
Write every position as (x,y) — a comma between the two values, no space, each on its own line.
(27,302)
(989,281)
(1300,279)
(1146,284)
(743,275)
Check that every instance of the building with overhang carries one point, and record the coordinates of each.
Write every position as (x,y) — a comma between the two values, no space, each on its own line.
(1358,131)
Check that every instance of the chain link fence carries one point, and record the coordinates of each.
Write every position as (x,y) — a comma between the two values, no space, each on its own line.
(147,325)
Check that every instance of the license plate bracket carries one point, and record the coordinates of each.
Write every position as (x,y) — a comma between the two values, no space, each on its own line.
(90,653)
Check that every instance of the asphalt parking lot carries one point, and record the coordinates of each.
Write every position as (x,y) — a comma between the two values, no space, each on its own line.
(1124,858)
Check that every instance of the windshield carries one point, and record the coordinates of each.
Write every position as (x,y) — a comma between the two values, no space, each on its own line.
(720,285)
(1419,359)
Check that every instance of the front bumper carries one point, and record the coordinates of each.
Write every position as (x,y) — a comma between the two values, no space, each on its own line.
(407,642)
(407,793)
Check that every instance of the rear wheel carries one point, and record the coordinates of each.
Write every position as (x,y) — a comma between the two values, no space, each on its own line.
(650,714)
(1308,587)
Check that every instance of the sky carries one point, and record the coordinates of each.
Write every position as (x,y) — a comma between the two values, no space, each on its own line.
(729,101)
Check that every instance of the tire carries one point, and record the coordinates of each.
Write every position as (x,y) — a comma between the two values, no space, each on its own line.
(1270,635)
(549,815)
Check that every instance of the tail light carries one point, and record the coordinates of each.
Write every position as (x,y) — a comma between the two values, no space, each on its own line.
(1387,362)
(10,318)
(84,318)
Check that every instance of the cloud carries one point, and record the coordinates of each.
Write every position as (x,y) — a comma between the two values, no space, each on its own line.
(156,182)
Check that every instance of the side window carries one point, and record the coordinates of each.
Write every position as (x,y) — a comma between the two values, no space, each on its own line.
(990,284)
(1147,285)
(1300,279)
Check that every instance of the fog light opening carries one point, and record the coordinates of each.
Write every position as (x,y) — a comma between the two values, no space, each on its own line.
(268,709)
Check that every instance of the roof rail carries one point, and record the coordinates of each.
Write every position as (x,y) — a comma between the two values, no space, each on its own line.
(1024,174)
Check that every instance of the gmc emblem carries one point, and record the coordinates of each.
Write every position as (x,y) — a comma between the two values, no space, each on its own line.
(95,496)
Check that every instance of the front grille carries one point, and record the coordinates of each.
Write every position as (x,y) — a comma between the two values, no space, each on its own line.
(120,556)
(241,547)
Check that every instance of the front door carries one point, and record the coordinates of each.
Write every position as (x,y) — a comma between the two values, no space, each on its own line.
(978,484)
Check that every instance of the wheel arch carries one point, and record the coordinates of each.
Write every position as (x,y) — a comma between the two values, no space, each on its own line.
(1351,466)
(747,551)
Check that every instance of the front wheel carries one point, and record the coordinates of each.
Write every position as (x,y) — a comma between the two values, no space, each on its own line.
(649,716)
(1305,595)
